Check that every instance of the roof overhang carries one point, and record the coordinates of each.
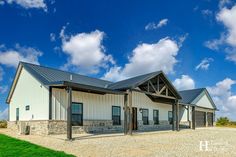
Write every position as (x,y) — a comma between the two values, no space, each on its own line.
(13,85)
(87,88)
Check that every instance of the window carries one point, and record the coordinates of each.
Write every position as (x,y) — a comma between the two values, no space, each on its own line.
(17,114)
(116,115)
(156,116)
(27,108)
(77,114)
(145,116)
(170,117)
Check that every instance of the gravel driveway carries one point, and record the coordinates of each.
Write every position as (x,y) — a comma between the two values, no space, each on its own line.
(220,142)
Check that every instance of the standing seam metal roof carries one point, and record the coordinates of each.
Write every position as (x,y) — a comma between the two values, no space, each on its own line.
(189,95)
(49,76)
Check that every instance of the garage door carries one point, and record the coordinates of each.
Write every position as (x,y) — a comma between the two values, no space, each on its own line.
(200,119)
(210,119)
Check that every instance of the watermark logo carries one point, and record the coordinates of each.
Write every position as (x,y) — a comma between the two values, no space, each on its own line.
(203,146)
(206,146)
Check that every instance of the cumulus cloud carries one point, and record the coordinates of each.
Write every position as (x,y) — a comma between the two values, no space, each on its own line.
(184,83)
(224,98)
(227,17)
(28,4)
(152,25)
(4,114)
(204,64)
(11,57)
(147,58)
(86,52)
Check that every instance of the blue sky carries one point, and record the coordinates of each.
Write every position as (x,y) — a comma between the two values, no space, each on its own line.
(193,42)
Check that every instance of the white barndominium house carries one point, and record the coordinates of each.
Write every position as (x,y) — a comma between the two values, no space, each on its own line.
(50,101)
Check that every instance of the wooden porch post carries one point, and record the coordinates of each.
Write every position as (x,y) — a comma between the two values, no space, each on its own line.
(125,113)
(69,127)
(177,115)
(173,116)
(193,118)
(131,113)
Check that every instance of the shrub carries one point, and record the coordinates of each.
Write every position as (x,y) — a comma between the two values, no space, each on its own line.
(222,121)
(3,124)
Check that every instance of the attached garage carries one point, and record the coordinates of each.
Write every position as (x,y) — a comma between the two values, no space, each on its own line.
(202,107)
(200,119)
(210,119)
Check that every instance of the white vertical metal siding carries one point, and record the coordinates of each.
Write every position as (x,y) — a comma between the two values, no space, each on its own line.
(95,106)
(99,107)
(29,91)
(140,100)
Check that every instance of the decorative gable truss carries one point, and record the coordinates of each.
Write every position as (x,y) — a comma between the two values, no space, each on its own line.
(158,86)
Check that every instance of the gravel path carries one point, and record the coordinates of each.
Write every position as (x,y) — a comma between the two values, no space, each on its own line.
(185,143)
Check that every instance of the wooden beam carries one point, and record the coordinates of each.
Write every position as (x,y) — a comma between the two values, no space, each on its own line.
(154,94)
(69,100)
(173,113)
(125,114)
(167,91)
(131,113)
(153,86)
(163,88)
(177,115)
(193,118)
(158,83)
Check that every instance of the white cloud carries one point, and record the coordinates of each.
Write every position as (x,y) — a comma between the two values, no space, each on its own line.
(224,98)
(215,44)
(29,4)
(4,114)
(184,83)
(147,58)
(227,17)
(1,73)
(52,37)
(86,52)
(152,25)
(3,89)
(204,65)
(11,57)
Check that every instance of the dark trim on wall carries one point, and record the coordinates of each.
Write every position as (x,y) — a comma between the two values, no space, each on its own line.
(50,103)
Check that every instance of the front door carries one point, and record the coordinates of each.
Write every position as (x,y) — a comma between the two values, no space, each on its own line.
(134,119)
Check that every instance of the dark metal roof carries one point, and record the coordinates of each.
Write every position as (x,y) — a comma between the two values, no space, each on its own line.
(54,77)
(192,96)
(189,95)
(49,76)
(133,82)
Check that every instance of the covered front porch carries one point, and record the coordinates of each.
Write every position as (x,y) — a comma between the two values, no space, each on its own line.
(157,89)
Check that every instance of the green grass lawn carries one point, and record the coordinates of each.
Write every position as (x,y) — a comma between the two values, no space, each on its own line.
(11,147)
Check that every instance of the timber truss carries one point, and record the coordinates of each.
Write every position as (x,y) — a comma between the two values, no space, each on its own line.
(157,87)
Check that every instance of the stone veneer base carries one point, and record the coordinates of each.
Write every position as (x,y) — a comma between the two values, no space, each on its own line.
(47,127)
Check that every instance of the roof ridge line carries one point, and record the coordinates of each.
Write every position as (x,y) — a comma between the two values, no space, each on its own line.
(64,71)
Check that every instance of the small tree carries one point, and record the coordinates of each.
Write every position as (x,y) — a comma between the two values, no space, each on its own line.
(222,121)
